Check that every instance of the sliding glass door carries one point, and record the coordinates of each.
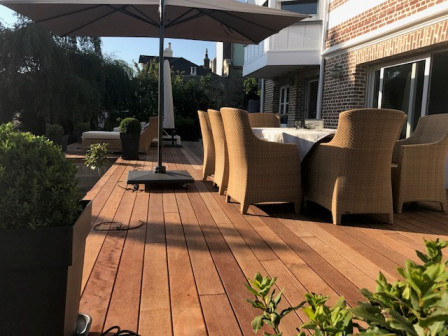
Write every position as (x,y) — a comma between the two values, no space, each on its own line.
(402,87)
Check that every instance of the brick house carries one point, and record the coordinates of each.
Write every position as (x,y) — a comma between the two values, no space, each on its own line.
(374,53)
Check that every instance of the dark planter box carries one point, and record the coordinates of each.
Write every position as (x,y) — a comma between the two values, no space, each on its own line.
(61,140)
(40,278)
(129,144)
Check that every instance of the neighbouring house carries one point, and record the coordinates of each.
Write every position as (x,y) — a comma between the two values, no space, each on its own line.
(288,63)
(180,64)
(371,53)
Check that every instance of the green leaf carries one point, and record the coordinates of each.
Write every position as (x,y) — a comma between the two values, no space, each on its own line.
(257,323)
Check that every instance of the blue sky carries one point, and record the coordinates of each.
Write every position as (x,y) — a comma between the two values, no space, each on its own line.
(129,49)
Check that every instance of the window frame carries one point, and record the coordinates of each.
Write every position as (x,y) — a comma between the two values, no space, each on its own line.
(281,103)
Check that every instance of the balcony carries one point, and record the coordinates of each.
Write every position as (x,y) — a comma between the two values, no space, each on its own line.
(292,48)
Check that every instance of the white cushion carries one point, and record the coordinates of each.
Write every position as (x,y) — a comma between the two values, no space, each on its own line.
(101,135)
(116,129)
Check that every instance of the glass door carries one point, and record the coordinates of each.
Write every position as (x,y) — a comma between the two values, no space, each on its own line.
(402,87)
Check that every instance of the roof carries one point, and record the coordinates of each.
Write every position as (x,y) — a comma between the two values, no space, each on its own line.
(178,64)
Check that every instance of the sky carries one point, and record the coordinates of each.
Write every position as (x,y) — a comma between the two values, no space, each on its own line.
(130,48)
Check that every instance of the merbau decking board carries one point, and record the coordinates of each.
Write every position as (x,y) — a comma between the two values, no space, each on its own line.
(182,271)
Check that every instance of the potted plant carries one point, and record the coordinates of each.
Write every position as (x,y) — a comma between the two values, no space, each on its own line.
(130,129)
(96,158)
(43,227)
(55,133)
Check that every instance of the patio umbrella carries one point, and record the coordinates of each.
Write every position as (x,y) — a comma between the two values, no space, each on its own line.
(168,120)
(211,20)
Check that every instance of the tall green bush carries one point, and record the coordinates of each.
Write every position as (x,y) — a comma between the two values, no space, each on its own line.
(38,184)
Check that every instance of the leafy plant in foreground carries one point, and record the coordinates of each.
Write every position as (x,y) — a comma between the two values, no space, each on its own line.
(326,321)
(416,305)
(264,299)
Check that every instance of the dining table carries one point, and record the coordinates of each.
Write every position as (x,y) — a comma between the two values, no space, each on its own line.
(304,138)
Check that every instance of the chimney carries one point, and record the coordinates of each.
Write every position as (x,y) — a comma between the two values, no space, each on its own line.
(206,60)
(168,52)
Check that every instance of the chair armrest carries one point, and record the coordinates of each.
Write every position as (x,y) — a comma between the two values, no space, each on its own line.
(420,152)
(274,156)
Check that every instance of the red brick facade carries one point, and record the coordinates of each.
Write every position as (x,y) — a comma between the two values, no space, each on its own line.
(297,82)
(336,3)
(377,17)
(349,91)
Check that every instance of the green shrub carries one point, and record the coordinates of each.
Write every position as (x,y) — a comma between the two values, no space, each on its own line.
(96,156)
(414,306)
(130,125)
(38,184)
(54,130)
(187,128)
(80,128)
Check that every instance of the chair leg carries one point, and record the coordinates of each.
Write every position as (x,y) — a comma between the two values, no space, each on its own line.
(221,190)
(337,218)
(443,206)
(227,199)
(390,217)
(244,207)
(297,207)
(398,207)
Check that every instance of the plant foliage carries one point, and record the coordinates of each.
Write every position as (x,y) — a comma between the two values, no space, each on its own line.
(96,156)
(54,130)
(268,302)
(39,185)
(417,305)
(130,125)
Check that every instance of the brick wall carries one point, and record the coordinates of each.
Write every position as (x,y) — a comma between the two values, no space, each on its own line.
(297,85)
(336,3)
(349,91)
(377,17)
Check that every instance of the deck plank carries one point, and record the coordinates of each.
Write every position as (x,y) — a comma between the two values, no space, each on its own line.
(182,273)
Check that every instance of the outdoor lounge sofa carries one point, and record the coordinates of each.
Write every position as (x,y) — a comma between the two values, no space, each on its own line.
(112,139)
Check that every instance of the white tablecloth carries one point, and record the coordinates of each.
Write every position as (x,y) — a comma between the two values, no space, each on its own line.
(303,138)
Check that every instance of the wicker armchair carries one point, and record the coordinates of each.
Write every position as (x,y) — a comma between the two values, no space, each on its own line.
(148,135)
(352,173)
(208,167)
(419,173)
(259,171)
(221,176)
(264,120)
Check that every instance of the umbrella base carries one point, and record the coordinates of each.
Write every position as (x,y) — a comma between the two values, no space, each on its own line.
(150,178)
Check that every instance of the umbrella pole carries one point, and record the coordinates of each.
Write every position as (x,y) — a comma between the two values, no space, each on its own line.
(160,168)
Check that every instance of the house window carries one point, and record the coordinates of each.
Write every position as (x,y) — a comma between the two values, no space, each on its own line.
(311,99)
(284,100)
(402,87)
(301,6)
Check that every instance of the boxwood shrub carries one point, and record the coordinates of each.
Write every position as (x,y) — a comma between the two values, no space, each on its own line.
(130,125)
(39,187)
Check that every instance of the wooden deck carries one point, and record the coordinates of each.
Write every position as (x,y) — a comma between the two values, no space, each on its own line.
(182,271)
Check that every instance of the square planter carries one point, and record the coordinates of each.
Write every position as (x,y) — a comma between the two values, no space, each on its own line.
(40,278)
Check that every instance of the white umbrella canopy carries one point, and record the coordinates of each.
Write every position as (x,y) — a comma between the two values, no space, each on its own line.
(208,20)
(168,120)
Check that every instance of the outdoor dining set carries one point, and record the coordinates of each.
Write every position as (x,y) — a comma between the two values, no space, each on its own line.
(359,168)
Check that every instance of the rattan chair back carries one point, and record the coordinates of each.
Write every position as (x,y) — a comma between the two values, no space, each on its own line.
(352,173)
(208,168)
(419,173)
(221,176)
(264,120)
(259,171)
